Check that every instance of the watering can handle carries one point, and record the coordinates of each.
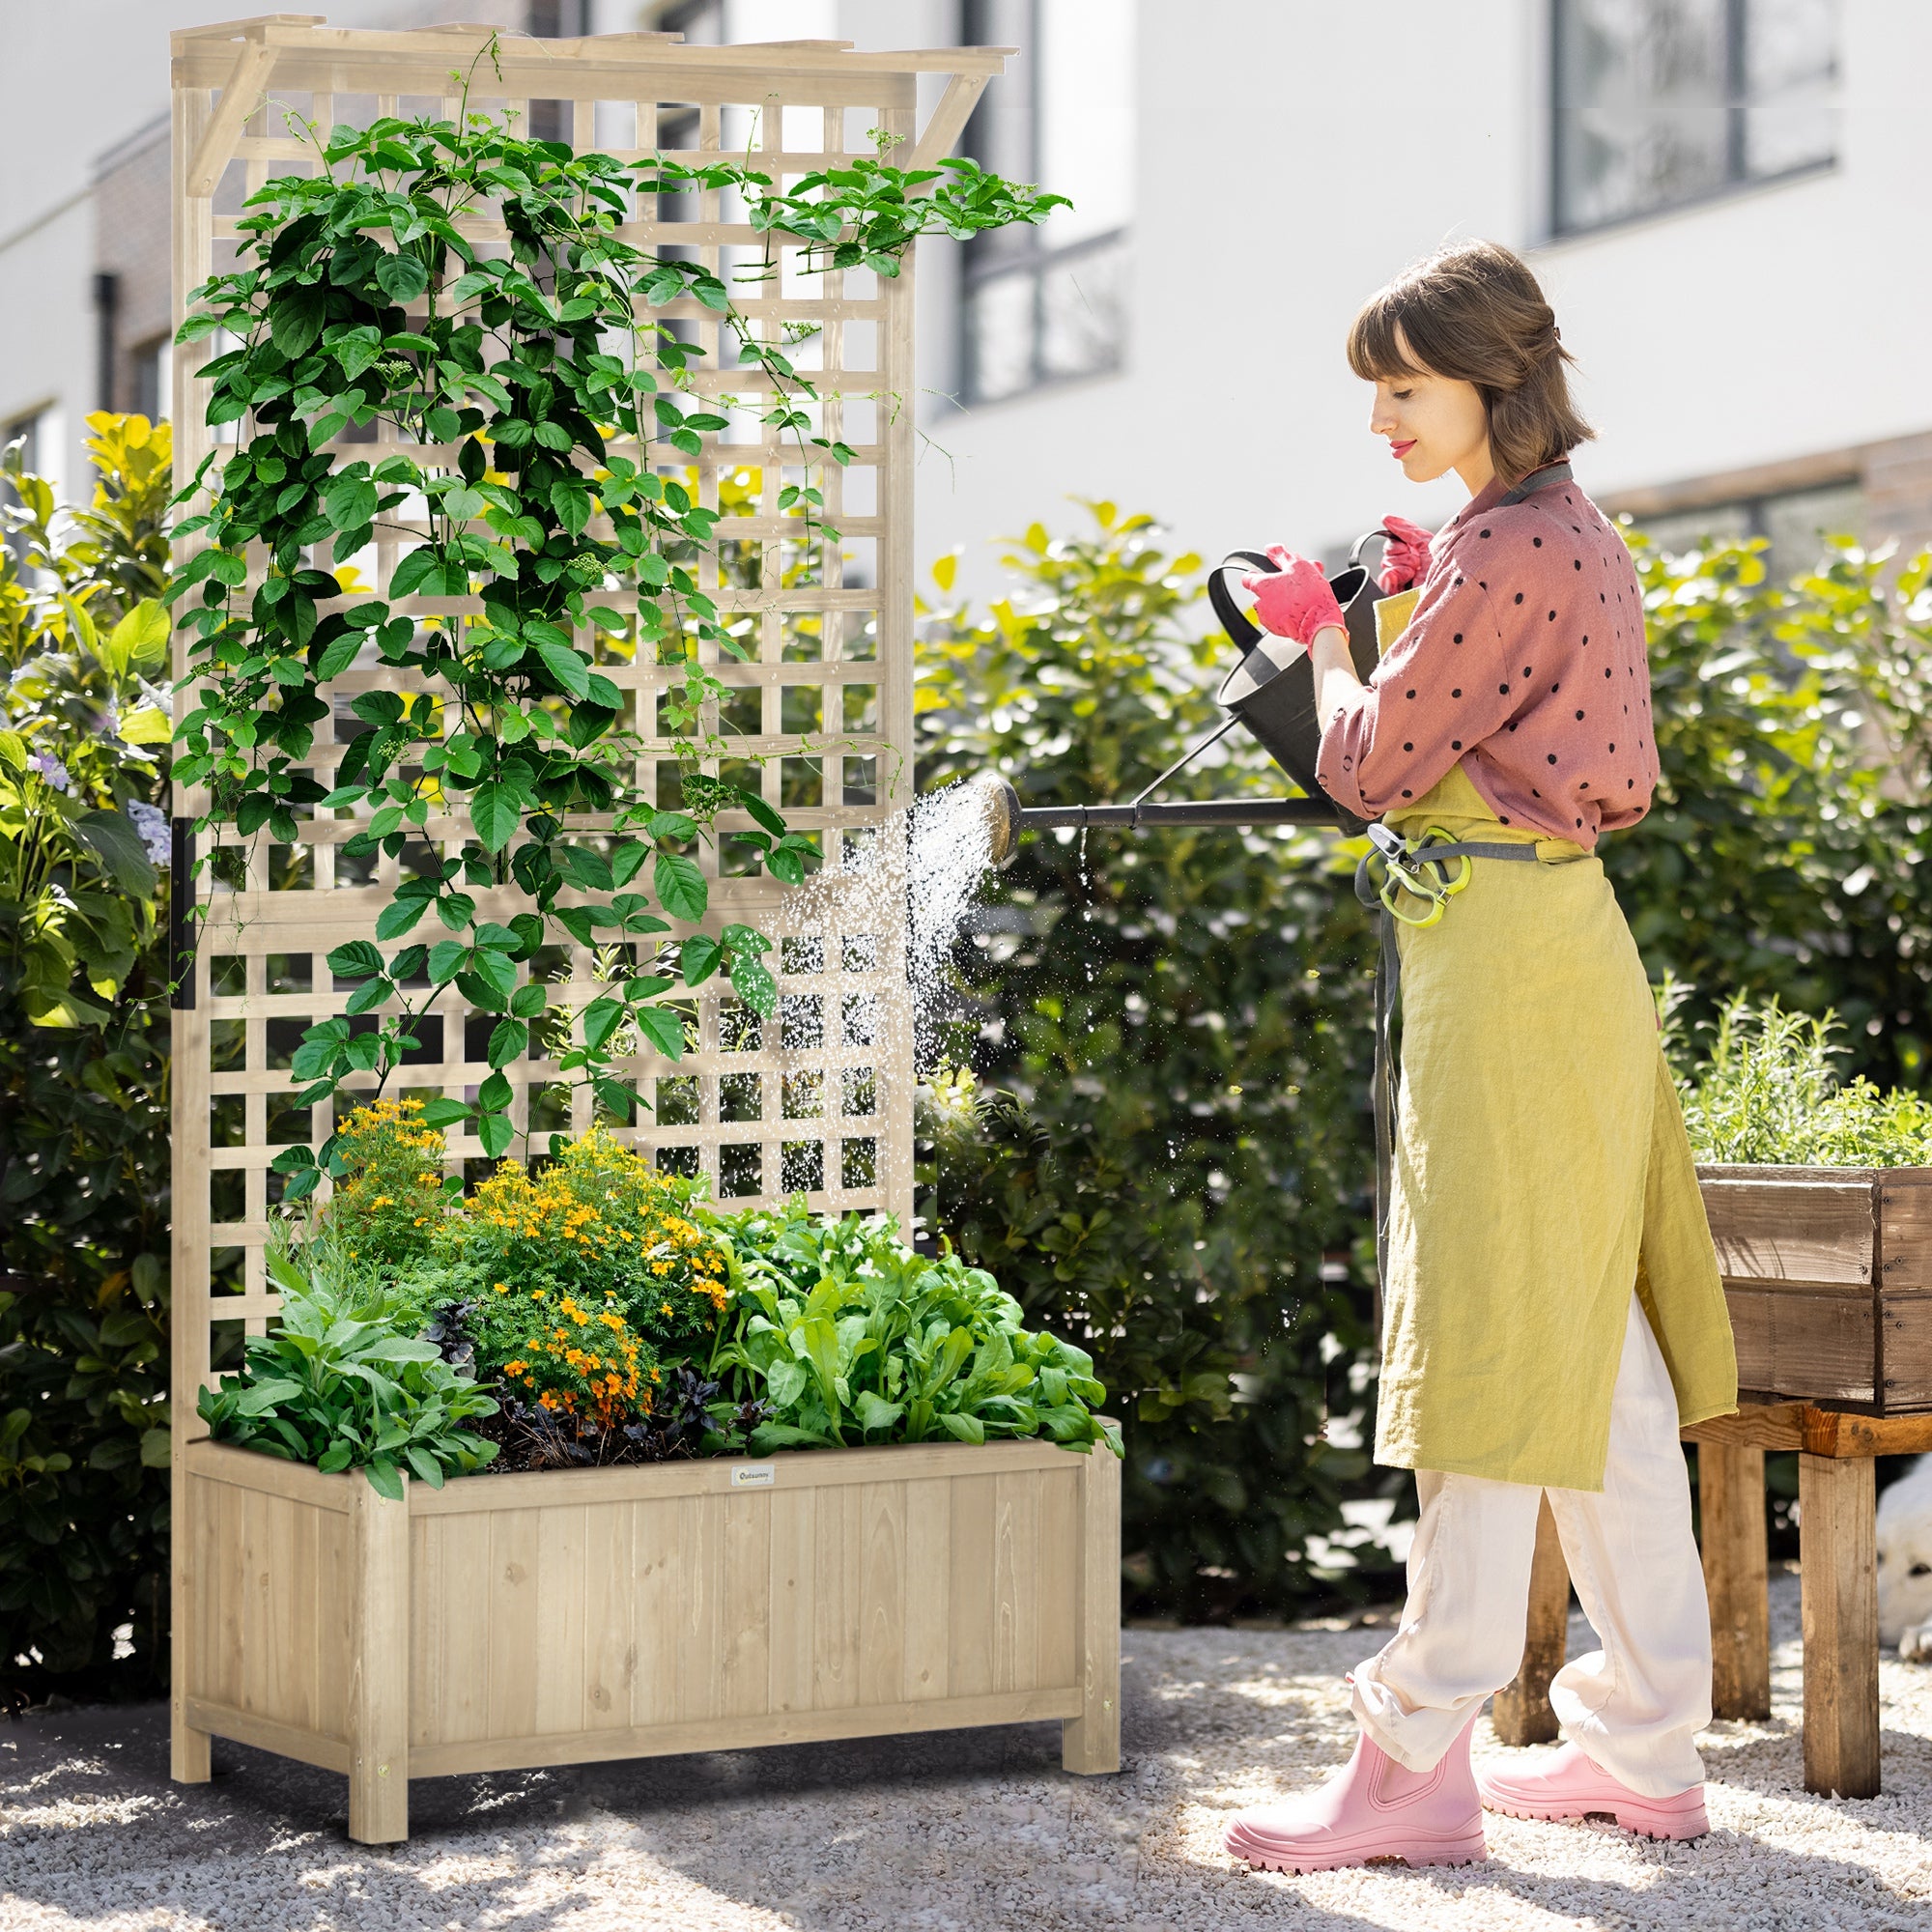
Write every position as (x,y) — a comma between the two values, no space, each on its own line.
(1233,619)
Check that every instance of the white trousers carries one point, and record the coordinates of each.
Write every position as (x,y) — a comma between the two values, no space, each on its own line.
(1635,1706)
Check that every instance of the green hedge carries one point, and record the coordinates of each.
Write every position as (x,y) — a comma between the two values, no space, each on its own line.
(1172,1151)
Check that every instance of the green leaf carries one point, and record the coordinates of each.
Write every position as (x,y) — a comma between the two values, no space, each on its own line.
(402,277)
(416,569)
(508,1039)
(752,982)
(699,957)
(123,855)
(875,1412)
(384,1478)
(358,960)
(296,316)
(496,811)
(967,1428)
(495,1131)
(565,666)
(680,887)
(663,1027)
(337,655)
(440,1113)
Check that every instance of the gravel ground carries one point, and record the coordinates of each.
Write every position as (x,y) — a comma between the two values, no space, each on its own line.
(975,1831)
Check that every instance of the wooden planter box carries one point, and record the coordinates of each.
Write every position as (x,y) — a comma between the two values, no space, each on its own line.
(556,1618)
(1828,1272)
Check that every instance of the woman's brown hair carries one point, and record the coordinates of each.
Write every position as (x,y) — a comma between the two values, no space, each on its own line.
(1476,314)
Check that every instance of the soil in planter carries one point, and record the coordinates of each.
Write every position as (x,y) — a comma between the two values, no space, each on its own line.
(686,1424)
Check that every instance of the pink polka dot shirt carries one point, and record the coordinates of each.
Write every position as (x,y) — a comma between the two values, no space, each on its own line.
(1523,660)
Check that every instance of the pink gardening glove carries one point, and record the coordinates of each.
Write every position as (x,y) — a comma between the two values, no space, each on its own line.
(1406,560)
(1294,599)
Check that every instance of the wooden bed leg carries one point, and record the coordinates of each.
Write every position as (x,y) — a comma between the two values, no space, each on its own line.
(1521,1712)
(1837,1502)
(379,1679)
(1090,1742)
(190,1759)
(1730,1490)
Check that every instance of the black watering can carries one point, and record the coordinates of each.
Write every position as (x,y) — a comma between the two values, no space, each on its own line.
(1274,699)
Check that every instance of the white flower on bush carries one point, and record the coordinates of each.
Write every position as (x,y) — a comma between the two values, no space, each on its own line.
(50,769)
(150,822)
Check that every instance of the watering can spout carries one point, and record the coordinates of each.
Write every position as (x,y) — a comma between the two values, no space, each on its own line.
(999,803)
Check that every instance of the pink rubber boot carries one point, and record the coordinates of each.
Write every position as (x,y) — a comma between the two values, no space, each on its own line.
(1564,1783)
(1371,1810)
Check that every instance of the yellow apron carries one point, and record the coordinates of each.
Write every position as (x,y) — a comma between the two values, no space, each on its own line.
(1541,1171)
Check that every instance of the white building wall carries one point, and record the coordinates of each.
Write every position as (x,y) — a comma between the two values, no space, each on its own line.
(1292,156)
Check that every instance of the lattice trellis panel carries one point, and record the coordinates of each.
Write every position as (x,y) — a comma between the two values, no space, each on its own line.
(819,1098)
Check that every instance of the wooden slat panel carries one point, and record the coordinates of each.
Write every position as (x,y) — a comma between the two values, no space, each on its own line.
(808,1468)
(451,1593)
(1796,1230)
(1821,1348)
(699,1608)
(792,1626)
(836,1599)
(1905,1214)
(656,1560)
(1908,1348)
(558,1664)
(1058,1577)
(609,1639)
(928,1589)
(745,1604)
(882,1591)
(1016,1582)
(516,1549)
(970,1663)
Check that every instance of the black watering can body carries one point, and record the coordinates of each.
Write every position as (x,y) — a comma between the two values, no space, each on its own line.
(1276,701)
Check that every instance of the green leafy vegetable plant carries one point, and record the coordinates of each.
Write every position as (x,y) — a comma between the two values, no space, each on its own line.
(1766,1090)
(339,1384)
(506,393)
(849,1336)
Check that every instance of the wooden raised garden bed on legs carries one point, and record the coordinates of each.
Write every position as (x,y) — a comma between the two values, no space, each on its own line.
(557,1618)
(530,1619)
(1827,1272)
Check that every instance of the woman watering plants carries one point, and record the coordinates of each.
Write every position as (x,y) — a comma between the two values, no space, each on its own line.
(1553,1312)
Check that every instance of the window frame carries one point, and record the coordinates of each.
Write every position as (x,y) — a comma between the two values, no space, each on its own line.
(1737,104)
(1022,252)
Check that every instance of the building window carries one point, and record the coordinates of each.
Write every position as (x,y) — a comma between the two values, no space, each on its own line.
(1662,101)
(1794,524)
(154,377)
(1047,304)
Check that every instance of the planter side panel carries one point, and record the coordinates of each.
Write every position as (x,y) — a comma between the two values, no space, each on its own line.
(806,1606)
(272,1574)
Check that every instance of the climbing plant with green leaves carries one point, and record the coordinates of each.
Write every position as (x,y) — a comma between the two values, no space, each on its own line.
(523,370)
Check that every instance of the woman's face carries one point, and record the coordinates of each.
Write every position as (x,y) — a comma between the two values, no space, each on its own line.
(1434,423)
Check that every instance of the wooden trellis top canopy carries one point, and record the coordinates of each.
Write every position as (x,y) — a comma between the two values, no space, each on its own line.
(817,712)
(301,52)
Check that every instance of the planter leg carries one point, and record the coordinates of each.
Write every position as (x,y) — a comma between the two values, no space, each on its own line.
(1839,1563)
(1730,1497)
(1090,1742)
(189,1760)
(378,1682)
(1521,1713)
